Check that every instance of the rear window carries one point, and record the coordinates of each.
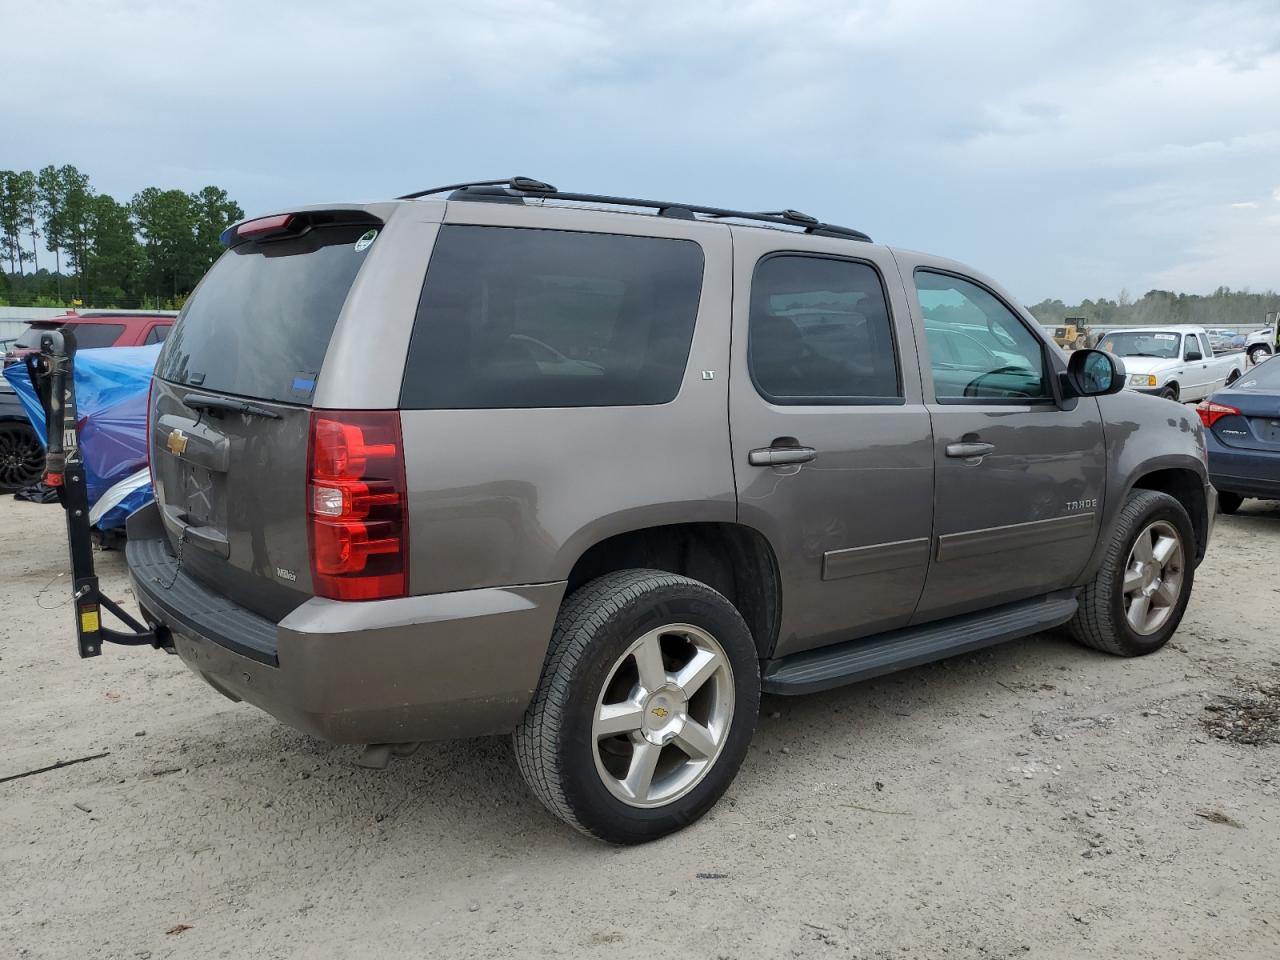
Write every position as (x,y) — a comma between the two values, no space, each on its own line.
(30,337)
(89,335)
(1264,378)
(514,317)
(260,321)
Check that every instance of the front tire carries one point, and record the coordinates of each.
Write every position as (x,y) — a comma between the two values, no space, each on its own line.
(1229,502)
(646,706)
(1170,392)
(1258,354)
(1140,592)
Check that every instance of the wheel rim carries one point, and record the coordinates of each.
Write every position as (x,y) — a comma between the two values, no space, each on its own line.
(20,457)
(1257,355)
(1153,577)
(663,716)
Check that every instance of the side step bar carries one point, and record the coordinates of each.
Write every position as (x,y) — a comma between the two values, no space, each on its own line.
(856,660)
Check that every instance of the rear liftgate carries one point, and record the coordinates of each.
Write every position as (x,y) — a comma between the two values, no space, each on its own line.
(52,375)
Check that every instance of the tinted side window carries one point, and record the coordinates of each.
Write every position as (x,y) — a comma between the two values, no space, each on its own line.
(513,317)
(988,354)
(90,335)
(820,332)
(157,333)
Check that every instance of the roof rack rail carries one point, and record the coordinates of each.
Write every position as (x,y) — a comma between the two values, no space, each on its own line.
(516,189)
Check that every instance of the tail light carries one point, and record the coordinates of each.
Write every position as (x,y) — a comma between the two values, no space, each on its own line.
(1210,412)
(357,505)
(151,470)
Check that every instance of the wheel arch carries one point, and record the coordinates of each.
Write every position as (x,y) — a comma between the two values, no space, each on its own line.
(734,559)
(1187,487)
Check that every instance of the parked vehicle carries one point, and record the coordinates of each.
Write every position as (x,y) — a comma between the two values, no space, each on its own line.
(95,329)
(1243,437)
(1072,334)
(1175,362)
(1260,344)
(21,453)
(1224,340)
(383,518)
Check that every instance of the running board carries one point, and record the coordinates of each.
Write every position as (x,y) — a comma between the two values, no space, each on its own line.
(857,660)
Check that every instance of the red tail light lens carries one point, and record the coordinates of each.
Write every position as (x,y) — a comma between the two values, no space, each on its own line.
(1210,412)
(357,505)
(151,391)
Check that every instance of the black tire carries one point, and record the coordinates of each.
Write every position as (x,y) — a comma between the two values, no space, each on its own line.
(21,456)
(1170,392)
(1229,502)
(1101,622)
(1232,377)
(554,744)
(1258,353)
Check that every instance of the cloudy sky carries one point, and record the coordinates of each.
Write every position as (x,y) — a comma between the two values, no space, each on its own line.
(1069,148)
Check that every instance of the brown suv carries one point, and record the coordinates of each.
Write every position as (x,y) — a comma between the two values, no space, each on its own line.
(597,471)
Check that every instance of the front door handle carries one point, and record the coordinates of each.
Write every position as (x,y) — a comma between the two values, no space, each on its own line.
(964,451)
(780,456)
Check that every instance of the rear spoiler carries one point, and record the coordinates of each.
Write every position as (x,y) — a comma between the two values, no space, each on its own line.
(279,226)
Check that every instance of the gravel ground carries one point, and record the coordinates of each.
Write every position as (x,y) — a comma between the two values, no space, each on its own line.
(1035,800)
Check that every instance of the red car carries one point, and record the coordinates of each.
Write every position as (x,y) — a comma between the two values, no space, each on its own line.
(95,329)
(21,454)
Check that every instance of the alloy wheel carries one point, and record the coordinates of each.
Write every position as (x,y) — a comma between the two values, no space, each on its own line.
(21,457)
(1153,577)
(663,715)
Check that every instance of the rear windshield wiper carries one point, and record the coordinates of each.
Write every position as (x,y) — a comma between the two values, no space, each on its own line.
(233,406)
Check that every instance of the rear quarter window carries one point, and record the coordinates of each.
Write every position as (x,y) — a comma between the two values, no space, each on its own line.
(516,317)
(90,335)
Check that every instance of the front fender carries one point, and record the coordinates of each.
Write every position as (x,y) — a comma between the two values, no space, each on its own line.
(1146,435)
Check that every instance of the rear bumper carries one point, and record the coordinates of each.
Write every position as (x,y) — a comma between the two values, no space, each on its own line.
(389,671)
(1248,473)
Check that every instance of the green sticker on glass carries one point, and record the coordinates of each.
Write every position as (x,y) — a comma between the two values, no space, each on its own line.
(366,241)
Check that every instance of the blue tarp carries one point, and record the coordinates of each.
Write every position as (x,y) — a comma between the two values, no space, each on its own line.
(111,398)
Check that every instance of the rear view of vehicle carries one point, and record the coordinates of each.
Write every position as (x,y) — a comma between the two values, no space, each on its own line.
(262,502)
(1242,432)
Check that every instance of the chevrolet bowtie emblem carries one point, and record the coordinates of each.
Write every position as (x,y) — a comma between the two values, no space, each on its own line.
(177,443)
(660,712)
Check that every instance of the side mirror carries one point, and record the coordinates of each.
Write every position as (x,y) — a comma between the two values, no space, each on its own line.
(1095,373)
(1193,355)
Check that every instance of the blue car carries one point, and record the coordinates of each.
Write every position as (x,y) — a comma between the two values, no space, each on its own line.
(1242,432)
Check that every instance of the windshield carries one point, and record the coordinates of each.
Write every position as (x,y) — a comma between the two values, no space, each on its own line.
(1143,344)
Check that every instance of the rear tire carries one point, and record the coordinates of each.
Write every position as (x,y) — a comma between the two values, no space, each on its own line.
(21,456)
(1229,502)
(1136,600)
(646,706)
(1232,377)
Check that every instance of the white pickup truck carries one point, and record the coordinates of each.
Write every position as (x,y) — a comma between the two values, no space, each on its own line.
(1174,361)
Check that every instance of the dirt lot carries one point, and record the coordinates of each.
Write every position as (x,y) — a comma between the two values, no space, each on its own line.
(1036,800)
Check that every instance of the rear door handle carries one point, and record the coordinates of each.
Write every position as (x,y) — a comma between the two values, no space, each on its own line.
(780,456)
(964,451)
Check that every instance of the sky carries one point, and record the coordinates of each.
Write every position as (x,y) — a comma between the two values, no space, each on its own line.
(1069,149)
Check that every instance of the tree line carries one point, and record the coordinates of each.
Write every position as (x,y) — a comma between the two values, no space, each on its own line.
(147,252)
(1222,308)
